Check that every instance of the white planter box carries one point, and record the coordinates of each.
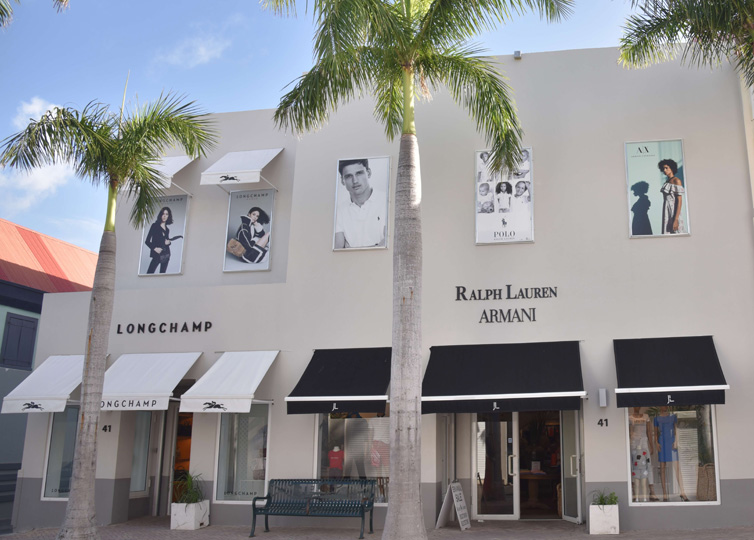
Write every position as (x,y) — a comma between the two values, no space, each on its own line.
(603,519)
(189,517)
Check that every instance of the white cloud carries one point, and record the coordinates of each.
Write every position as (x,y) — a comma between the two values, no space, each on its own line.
(195,51)
(31,109)
(23,190)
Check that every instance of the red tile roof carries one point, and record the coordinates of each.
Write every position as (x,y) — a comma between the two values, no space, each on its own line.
(44,263)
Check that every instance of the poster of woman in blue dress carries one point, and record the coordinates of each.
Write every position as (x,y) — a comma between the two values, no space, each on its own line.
(657,191)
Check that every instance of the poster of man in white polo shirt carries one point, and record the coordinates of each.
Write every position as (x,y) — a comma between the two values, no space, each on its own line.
(361,210)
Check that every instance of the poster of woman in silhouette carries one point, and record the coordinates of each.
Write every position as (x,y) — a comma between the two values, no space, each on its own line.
(658,203)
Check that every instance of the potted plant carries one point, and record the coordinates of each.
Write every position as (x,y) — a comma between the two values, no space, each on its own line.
(603,513)
(190,511)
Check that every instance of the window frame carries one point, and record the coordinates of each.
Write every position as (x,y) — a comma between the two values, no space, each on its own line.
(682,504)
(50,421)
(26,318)
(145,492)
(218,426)
(316,457)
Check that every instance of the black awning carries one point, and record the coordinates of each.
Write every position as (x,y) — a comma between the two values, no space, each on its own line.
(505,377)
(668,371)
(343,380)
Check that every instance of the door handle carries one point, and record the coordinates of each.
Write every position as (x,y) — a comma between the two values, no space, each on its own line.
(510,465)
(572,468)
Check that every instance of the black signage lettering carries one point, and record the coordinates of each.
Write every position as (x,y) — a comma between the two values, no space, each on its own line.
(163,327)
(508,315)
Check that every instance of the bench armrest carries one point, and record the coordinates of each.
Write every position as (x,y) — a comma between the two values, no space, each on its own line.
(255,499)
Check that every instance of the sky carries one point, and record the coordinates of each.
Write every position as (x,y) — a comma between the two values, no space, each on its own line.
(227,55)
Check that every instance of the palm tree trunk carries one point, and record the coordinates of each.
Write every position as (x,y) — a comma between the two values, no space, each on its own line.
(405,517)
(80,521)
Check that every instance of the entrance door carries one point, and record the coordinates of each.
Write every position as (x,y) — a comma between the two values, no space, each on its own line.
(540,464)
(495,493)
(181,464)
(571,466)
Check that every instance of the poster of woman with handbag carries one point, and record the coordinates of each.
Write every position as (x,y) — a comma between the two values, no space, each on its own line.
(160,244)
(249,230)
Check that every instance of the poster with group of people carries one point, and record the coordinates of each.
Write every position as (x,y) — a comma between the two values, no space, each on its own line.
(657,192)
(504,202)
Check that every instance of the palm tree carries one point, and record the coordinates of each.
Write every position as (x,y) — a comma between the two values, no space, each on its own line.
(6,9)
(119,151)
(398,50)
(702,32)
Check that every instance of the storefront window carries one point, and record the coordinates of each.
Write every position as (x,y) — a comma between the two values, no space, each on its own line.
(60,459)
(672,454)
(243,455)
(356,446)
(141,451)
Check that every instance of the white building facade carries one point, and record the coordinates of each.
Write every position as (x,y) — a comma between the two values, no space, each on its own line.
(525,342)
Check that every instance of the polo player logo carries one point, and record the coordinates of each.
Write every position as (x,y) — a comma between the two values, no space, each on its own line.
(334,407)
(670,400)
(494,406)
(213,405)
(32,405)
(228,178)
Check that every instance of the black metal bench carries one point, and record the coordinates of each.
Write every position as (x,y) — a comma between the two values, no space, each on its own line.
(318,497)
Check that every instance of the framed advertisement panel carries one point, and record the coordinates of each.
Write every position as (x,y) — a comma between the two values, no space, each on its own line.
(504,207)
(162,240)
(248,234)
(362,188)
(657,192)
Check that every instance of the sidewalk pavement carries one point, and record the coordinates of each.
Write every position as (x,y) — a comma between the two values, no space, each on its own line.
(159,529)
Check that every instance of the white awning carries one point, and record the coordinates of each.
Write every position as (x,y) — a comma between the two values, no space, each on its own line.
(239,167)
(48,387)
(144,382)
(169,166)
(230,384)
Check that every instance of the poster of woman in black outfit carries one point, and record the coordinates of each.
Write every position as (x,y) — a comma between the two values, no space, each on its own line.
(163,244)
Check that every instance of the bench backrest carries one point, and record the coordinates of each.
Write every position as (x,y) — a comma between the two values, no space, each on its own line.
(298,489)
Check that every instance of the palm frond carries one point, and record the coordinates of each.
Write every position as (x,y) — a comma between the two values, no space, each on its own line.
(6,9)
(6,12)
(144,188)
(169,120)
(452,21)
(700,32)
(285,8)
(476,84)
(63,135)
(388,108)
(331,82)
(344,26)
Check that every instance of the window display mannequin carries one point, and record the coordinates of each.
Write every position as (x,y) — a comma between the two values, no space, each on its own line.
(335,458)
(666,429)
(641,437)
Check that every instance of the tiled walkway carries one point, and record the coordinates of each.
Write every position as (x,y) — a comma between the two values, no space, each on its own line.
(159,529)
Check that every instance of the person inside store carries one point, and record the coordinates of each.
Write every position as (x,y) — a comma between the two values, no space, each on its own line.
(362,220)
(158,241)
(252,235)
(666,430)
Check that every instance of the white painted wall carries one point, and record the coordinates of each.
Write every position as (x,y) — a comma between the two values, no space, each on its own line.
(577,108)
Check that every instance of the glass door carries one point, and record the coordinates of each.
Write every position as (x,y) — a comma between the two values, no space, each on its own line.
(495,493)
(571,466)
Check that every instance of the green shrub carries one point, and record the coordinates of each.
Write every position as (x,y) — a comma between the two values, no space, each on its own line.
(603,498)
(189,489)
